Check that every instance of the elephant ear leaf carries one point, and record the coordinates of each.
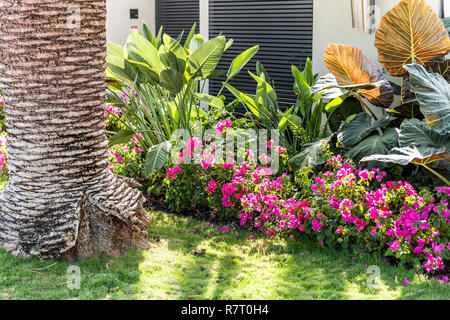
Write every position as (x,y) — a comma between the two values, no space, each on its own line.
(352,132)
(433,93)
(411,32)
(351,67)
(375,144)
(417,133)
(440,67)
(157,157)
(408,155)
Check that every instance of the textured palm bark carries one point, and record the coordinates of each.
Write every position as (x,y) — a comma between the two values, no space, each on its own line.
(61,199)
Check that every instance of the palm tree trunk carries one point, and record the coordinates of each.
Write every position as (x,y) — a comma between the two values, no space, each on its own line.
(61,199)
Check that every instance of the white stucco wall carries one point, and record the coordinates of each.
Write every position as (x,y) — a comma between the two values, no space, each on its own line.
(333,23)
(118,22)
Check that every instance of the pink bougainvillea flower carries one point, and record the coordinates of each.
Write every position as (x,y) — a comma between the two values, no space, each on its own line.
(222,124)
(316,225)
(171,172)
(394,245)
(406,283)
(225,230)
(212,186)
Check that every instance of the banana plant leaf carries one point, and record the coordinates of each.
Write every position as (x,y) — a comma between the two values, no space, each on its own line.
(203,61)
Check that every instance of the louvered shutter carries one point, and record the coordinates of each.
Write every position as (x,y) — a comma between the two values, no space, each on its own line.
(176,16)
(283,29)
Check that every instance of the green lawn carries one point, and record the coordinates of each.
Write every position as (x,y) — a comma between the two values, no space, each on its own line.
(233,267)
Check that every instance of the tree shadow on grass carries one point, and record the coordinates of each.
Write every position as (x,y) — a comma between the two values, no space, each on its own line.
(203,275)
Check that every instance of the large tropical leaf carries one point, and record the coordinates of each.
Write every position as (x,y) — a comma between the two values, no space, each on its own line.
(148,51)
(204,60)
(433,93)
(196,42)
(350,133)
(417,133)
(172,80)
(240,61)
(375,144)
(147,33)
(350,66)
(115,49)
(440,67)
(408,155)
(411,32)
(311,155)
(190,36)
(157,157)
(121,68)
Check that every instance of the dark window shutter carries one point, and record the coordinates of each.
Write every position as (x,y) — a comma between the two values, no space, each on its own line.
(176,16)
(282,28)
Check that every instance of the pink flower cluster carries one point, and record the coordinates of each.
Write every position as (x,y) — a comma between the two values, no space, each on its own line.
(393,214)
(222,124)
(2,150)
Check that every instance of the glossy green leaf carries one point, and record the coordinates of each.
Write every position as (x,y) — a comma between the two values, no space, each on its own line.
(417,133)
(191,35)
(350,106)
(147,33)
(115,49)
(149,52)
